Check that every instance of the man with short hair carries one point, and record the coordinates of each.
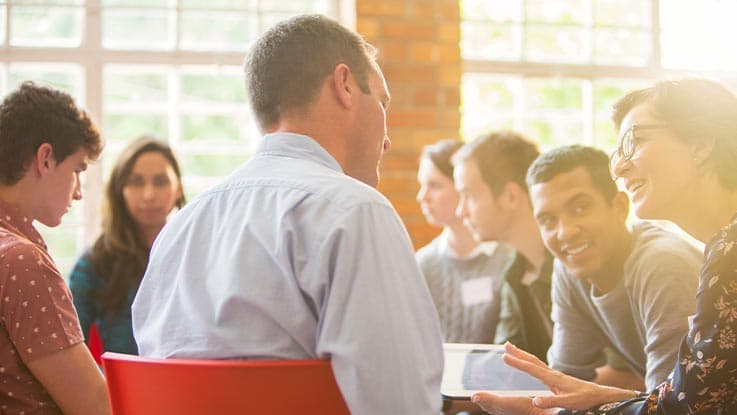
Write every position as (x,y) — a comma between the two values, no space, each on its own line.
(630,290)
(490,177)
(46,143)
(296,255)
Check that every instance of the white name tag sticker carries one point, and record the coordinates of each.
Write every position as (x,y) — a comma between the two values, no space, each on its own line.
(476,291)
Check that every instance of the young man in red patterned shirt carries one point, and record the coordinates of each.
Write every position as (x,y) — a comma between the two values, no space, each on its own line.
(45,145)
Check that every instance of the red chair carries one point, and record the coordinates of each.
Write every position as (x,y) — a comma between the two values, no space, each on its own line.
(94,343)
(143,386)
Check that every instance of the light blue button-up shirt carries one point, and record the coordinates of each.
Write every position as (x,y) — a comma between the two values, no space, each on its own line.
(289,258)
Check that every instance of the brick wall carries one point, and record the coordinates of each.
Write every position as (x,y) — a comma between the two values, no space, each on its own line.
(420,57)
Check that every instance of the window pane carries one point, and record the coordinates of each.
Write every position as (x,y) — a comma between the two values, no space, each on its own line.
(48,2)
(149,3)
(213,4)
(137,87)
(138,29)
(490,41)
(216,88)
(294,7)
(498,11)
(546,43)
(488,103)
(622,47)
(46,26)
(216,31)
(554,109)
(125,127)
(3,23)
(699,38)
(606,93)
(622,13)
(210,127)
(65,77)
(210,164)
(557,11)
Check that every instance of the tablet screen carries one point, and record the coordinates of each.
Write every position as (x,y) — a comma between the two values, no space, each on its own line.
(474,367)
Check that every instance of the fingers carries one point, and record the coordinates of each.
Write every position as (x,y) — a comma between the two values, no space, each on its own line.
(515,351)
(502,405)
(541,372)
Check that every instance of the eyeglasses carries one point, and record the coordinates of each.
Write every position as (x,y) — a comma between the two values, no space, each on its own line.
(628,144)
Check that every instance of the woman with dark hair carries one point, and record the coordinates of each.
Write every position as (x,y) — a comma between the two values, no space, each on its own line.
(676,158)
(464,276)
(143,189)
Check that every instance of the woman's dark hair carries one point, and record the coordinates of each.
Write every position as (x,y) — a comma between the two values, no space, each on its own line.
(440,154)
(120,255)
(695,110)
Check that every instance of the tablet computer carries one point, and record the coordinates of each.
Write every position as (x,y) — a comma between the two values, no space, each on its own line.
(479,367)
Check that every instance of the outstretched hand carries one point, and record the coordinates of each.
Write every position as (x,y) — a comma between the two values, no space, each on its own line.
(568,392)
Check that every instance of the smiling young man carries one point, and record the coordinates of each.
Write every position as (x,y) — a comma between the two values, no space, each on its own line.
(45,145)
(630,290)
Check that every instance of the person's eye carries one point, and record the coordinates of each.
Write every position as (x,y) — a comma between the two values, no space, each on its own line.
(136,181)
(160,181)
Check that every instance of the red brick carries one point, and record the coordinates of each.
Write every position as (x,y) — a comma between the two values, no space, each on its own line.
(412,118)
(427,96)
(368,27)
(424,52)
(408,30)
(392,50)
(413,74)
(379,8)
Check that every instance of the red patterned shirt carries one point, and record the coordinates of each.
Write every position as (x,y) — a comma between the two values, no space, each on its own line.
(37,317)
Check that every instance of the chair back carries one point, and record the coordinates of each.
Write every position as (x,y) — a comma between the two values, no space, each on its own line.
(144,386)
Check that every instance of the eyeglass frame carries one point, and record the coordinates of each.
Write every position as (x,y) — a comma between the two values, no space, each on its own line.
(625,153)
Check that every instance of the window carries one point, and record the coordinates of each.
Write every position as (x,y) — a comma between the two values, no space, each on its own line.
(171,68)
(553,68)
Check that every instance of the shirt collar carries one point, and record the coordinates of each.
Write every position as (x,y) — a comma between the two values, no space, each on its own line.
(12,219)
(483,248)
(296,146)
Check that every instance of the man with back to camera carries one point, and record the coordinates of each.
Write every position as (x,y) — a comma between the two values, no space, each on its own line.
(46,143)
(490,178)
(627,289)
(296,255)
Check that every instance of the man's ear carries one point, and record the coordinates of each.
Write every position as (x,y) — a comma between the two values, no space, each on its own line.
(702,150)
(44,159)
(344,85)
(621,204)
(512,195)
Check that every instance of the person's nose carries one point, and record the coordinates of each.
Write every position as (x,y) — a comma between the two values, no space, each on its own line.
(77,194)
(387,143)
(461,208)
(148,191)
(421,194)
(619,167)
(567,229)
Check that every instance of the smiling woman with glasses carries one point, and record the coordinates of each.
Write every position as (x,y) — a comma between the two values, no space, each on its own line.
(686,174)
(628,143)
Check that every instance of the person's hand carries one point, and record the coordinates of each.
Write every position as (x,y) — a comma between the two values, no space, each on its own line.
(568,392)
(509,405)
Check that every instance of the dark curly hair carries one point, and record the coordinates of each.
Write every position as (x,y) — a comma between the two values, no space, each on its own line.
(33,115)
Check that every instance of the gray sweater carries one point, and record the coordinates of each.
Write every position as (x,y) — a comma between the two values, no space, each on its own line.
(643,318)
(465,290)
